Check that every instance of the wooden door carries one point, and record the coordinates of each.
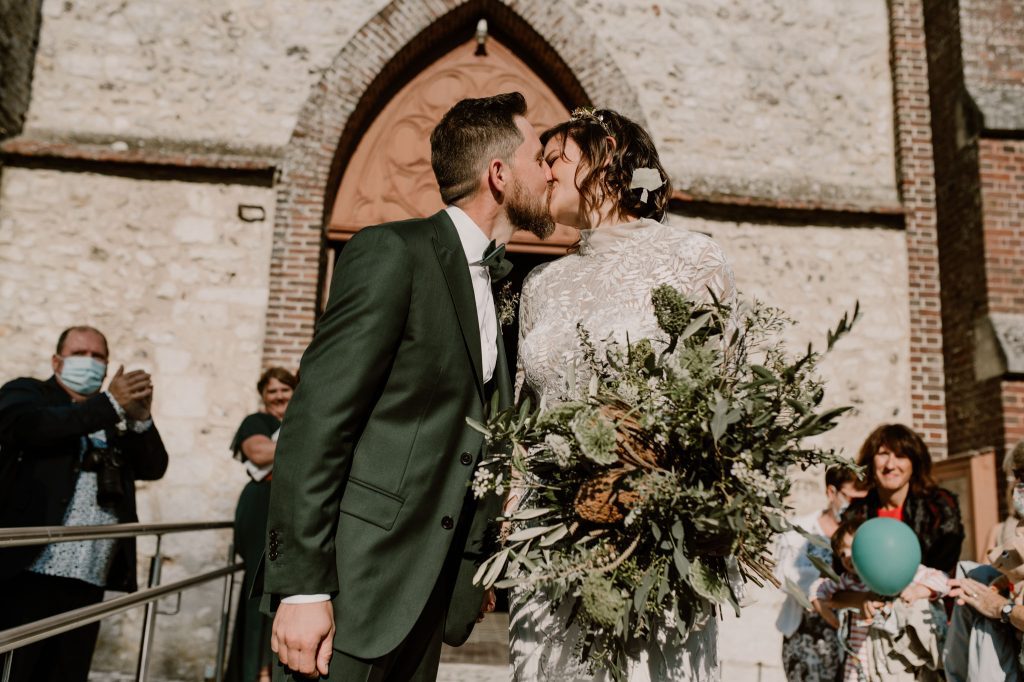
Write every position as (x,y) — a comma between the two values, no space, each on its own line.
(389,175)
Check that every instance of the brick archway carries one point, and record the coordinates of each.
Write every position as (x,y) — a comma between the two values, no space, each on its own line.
(370,68)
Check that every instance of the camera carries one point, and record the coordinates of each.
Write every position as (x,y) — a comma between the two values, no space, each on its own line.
(106,463)
(1007,560)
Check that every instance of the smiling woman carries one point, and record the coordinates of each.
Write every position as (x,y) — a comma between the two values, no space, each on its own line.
(254,445)
(900,486)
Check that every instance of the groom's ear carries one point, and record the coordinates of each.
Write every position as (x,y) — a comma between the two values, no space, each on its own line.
(498,176)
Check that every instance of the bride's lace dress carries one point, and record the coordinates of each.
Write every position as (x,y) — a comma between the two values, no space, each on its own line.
(605,286)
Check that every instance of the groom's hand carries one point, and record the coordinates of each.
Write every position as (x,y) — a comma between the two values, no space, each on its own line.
(303,636)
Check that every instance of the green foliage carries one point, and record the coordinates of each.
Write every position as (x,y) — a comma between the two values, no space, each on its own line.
(684,443)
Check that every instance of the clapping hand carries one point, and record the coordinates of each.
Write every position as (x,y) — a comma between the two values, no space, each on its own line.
(870,606)
(979,597)
(133,391)
(915,591)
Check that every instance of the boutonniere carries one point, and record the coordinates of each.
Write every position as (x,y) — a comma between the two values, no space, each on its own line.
(507,305)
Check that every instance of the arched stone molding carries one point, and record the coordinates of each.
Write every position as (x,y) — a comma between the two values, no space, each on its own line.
(400,40)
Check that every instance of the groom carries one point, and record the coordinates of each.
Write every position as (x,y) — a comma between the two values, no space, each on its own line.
(374,535)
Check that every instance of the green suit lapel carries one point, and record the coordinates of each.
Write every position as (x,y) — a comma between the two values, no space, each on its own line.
(501,374)
(453,263)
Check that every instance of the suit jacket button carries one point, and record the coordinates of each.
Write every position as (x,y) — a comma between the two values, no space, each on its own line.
(466,458)
(273,555)
(447,523)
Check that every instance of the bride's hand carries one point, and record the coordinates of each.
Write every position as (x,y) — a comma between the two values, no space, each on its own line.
(488,604)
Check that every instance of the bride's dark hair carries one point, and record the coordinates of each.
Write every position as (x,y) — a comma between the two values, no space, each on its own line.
(613,147)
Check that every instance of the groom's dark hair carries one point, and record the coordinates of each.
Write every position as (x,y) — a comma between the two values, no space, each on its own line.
(473,132)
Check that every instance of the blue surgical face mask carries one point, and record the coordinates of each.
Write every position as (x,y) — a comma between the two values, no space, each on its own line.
(83,375)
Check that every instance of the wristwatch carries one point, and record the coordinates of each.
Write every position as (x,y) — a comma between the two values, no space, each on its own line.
(1004,613)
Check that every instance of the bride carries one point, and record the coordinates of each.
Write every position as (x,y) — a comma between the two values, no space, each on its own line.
(607,181)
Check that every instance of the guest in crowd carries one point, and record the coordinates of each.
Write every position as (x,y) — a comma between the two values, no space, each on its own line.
(254,445)
(70,455)
(985,629)
(861,660)
(1003,532)
(900,486)
(810,649)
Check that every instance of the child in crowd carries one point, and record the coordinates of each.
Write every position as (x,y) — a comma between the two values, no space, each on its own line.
(828,595)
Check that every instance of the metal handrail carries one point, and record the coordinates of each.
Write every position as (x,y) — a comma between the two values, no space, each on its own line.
(44,535)
(30,633)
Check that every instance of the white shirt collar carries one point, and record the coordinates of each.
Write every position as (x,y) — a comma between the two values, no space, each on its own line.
(474,241)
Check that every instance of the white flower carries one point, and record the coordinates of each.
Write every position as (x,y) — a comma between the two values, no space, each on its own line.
(560,448)
(482,482)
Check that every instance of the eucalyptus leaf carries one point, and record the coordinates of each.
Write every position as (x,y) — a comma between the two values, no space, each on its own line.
(825,569)
(554,536)
(528,533)
(793,590)
(474,424)
(528,513)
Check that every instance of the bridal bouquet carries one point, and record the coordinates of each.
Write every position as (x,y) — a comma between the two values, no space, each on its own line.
(652,498)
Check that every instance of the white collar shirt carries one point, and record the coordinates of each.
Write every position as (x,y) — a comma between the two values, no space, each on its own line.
(474,243)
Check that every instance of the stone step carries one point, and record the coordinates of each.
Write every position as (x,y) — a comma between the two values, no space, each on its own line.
(488,645)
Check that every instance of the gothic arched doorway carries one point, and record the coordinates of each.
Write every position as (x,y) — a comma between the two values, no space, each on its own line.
(371,67)
(388,176)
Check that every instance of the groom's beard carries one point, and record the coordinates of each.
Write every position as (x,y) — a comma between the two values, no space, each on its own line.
(529,213)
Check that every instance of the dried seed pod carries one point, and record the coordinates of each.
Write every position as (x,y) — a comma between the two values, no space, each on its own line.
(602,499)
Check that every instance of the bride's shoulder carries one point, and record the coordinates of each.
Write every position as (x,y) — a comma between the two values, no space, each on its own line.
(542,274)
(677,241)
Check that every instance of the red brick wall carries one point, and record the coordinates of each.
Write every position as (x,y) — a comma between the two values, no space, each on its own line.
(980,210)
(917,189)
(1002,205)
(1002,193)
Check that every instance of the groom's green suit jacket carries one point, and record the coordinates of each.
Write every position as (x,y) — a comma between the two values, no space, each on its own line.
(375,458)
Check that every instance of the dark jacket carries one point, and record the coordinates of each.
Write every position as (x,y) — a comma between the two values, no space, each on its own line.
(935,519)
(40,452)
(375,457)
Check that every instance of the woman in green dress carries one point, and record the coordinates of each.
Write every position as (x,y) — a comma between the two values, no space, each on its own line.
(254,445)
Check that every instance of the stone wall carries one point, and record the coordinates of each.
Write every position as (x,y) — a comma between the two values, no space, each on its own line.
(815,273)
(774,100)
(768,98)
(179,285)
(19,31)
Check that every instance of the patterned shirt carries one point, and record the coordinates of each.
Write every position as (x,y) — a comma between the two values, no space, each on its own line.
(86,560)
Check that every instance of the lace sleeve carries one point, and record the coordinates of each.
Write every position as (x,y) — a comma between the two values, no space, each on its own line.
(709,274)
(526,319)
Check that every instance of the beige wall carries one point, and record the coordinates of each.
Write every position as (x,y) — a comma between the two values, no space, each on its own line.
(771,98)
(815,274)
(179,285)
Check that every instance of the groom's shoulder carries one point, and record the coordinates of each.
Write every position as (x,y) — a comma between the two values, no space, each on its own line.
(410,231)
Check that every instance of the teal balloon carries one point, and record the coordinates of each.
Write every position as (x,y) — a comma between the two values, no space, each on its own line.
(886,554)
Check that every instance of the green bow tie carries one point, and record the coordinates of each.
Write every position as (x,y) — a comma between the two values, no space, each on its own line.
(494,260)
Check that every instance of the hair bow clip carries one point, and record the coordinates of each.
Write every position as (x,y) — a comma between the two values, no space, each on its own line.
(646,179)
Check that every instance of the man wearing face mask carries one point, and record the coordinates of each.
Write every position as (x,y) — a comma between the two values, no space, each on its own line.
(70,455)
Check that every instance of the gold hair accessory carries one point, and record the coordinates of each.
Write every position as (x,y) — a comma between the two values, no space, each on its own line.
(585,114)
(647,179)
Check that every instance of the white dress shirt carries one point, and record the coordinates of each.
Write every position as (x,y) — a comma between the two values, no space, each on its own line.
(474,243)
